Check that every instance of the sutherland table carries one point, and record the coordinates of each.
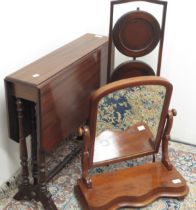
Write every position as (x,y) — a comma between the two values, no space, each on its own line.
(48,100)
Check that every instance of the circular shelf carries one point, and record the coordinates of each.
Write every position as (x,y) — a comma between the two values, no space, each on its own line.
(136,33)
(131,69)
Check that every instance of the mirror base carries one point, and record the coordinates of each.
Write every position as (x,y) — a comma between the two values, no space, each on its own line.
(133,187)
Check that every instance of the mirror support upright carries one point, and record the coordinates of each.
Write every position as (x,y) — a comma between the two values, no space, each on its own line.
(85,133)
(166,138)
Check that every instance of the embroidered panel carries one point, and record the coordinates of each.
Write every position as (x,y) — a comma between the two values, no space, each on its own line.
(126,107)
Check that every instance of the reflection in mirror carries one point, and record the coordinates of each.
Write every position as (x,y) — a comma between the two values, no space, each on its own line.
(127,122)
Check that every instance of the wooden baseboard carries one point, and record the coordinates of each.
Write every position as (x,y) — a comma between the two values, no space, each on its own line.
(182,142)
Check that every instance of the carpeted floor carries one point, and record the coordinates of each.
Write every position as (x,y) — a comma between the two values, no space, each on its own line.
(61,187)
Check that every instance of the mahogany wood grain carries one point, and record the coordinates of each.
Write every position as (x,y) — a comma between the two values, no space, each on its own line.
(136,33)
(112,43)
(121,84)
(166,138)
(64,100)
(89,132)
(66,77)
(54,92)
(58,60)
(132,187)
(113,145)
(136,186)
(131,69)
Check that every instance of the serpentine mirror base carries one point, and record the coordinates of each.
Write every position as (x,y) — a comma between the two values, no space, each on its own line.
(131,187)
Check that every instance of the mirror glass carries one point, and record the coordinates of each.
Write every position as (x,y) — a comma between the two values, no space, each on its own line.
(127,122)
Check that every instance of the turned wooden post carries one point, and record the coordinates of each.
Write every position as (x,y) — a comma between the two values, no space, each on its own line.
(22,141)
(44,195)
(85,132)
(166,138)
(34,145)
(42,172)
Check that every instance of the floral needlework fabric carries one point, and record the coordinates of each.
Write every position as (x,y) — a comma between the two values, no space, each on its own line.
(126,107)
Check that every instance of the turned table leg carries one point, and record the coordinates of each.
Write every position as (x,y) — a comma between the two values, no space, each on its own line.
(38,190)
(22,195)
(44,195)
(34,145)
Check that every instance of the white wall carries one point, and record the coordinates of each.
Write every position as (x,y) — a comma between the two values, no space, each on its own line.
(30,29)
(179,66)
